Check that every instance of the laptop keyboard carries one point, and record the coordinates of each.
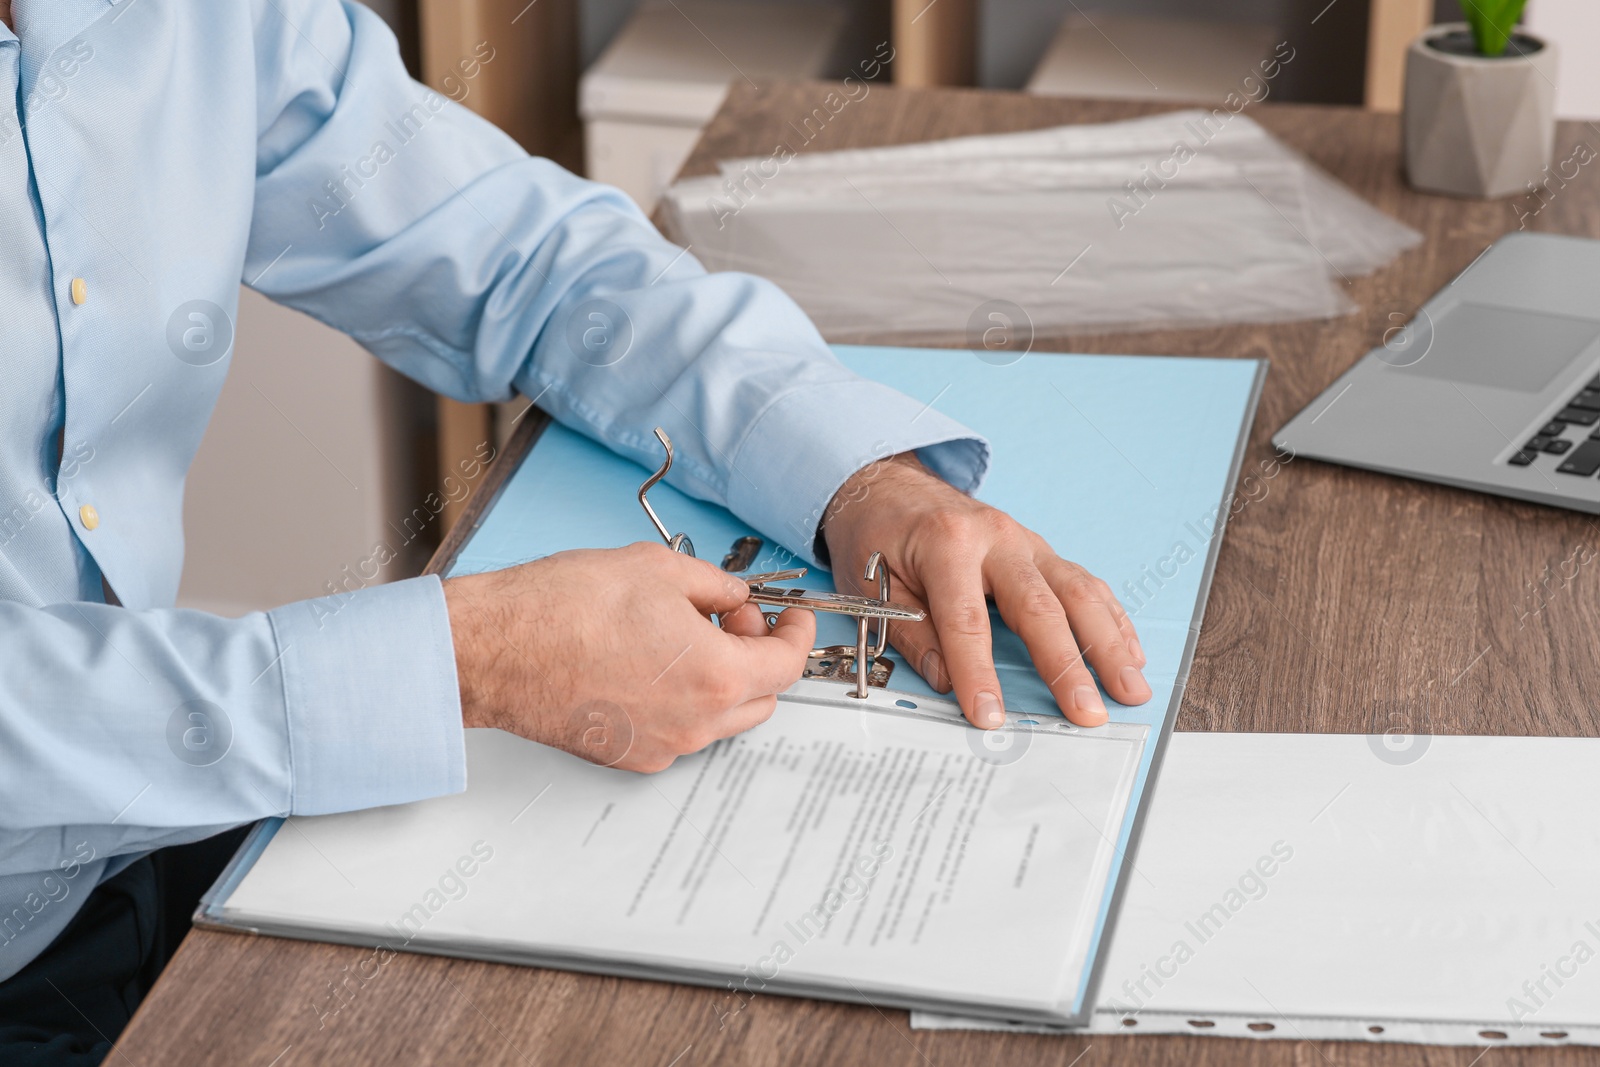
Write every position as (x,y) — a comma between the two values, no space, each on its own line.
(1581,458)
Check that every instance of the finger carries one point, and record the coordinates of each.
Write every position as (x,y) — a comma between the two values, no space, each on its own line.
(918,642)
(1130,636)
(798,628)
(718,726)
(750,714)
(746,620)
(1047,560)
(960,613)
(1033,609)
(710,589)
(1088,605)
(772,663)
(713,726)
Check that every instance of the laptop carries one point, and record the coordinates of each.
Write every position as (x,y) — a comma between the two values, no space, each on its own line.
(1494,385)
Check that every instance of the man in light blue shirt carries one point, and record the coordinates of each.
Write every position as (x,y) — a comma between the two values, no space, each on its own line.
(153,153)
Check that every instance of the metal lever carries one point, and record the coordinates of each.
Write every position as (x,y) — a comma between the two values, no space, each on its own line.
(866,655)
(677,542)
(839,603)
(869,666)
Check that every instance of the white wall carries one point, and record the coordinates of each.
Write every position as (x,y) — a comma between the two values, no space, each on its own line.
(1574,26)
(311,456)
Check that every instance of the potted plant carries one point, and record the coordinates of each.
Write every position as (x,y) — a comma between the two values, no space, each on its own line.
(1479,104)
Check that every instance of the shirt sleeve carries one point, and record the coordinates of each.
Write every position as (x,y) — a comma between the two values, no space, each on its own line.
(399,217)
(119,727)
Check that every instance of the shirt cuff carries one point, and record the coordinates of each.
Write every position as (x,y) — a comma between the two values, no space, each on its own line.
(809,441)
(371,697)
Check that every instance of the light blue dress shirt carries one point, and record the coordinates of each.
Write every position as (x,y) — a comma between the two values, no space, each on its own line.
(158,152)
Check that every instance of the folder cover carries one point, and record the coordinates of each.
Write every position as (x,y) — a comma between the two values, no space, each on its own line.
(879,851)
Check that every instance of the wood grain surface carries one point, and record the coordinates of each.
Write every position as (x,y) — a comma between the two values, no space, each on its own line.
(1343,601)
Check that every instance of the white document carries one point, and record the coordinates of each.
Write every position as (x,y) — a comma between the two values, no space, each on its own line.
(1382,888)
(886,853)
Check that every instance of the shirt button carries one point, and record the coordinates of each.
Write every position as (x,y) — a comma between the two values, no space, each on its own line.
(89,516)
(80,291)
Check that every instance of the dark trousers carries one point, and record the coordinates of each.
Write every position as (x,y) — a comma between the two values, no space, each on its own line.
(66,1007)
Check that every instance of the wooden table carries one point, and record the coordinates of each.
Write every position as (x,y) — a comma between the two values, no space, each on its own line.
(1343,602)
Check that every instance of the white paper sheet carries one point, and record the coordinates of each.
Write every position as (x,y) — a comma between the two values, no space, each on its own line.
(885,854)
(1384,888)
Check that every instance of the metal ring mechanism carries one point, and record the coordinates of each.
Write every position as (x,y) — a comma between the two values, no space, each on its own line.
(678,542)
(862,663)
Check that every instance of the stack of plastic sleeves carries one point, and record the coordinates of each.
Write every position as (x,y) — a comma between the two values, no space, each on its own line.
(1189,218)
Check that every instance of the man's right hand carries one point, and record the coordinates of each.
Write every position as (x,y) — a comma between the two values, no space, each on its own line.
(611,654)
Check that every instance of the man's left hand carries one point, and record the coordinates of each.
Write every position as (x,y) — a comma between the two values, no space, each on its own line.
(948,554)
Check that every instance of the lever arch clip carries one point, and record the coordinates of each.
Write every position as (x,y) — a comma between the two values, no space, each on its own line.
(677,542)
(862,664)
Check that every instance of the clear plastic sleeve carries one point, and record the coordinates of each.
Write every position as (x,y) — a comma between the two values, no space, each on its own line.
(1180,219)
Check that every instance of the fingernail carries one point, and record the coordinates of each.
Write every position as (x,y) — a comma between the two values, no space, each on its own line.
(933,670)
(1137,649)
(988,711)
(1086,701)
(1134,683)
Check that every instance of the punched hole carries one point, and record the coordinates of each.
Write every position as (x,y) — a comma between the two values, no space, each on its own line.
(1030,722)
(905,703)
(1262,1028)
(1201,1024)
(1374,1029)
(1492,1035)
(1553,1035)
(1130,1022)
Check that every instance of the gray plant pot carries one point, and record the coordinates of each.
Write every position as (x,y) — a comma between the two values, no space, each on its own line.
(1474,125)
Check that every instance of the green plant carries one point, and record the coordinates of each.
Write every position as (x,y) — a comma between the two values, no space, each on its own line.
(1492,23)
